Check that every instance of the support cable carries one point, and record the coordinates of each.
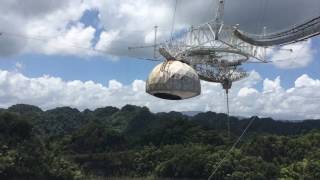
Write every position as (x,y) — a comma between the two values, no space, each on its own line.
(73,45)
(264,14)
(155,42)
(173,20)
(233,147)
(228,113)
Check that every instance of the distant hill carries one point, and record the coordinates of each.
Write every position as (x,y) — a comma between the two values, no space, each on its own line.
(68,144)
(134,119)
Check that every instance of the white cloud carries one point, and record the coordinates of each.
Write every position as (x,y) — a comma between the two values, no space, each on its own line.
(113,84)
(270,86)
(75,41)
(301,55)
(50,27)
(127,22)
(18,66)
(305,81)
(245,92)
(298,102)
(105,40)
(54,28)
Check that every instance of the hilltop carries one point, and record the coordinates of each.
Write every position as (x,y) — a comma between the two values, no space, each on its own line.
(65,143)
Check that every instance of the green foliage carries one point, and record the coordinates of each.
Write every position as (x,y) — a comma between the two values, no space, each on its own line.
(24,156)
(64,143)
(95,137)
(64,170)
(306,169)
(25,109)
(60,121)
(7,158)
(183,162)
(13,129)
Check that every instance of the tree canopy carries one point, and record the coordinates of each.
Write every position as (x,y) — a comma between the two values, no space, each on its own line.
(65,143)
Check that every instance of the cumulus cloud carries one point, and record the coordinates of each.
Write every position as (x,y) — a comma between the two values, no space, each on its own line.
(130,23)
(75,41)
(136,26)
(301,55)
(298,102)
(245,92)
(106,39)
(48,27)
(54,27)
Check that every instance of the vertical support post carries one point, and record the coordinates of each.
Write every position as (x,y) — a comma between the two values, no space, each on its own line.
(264,31)
(264,53)
(220,12)
(219,18)
(155,42)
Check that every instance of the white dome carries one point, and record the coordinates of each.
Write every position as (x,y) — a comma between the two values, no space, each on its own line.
(173,80)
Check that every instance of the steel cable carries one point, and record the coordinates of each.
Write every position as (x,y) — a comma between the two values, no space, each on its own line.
(232,147)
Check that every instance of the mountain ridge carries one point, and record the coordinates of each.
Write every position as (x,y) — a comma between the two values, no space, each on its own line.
(68,144)
(131,118)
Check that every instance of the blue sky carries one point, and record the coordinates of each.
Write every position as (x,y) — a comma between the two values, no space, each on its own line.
(39,64)
(102,69)
(97,69)
(126,70)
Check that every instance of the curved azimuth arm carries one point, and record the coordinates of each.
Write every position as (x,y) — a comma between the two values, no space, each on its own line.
(298,33)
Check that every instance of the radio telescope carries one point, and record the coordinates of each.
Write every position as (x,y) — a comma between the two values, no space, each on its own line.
(215,51)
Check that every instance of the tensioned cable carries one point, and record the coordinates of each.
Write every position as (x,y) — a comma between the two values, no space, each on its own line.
(47,38)
(233,147)
(72,45)
(173,20)
(228,114)
(228,111)
(264,13)
(258,16)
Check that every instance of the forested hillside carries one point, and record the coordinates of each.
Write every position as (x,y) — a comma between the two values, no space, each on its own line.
(66,144)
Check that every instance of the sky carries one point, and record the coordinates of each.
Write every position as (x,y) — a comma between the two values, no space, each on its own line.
(45,56)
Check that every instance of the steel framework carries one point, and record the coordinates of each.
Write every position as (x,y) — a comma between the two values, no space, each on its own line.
(216,50)
(213,50)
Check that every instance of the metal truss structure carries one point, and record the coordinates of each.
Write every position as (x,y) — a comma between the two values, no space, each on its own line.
(213,50)
(212,41)
(216,50)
